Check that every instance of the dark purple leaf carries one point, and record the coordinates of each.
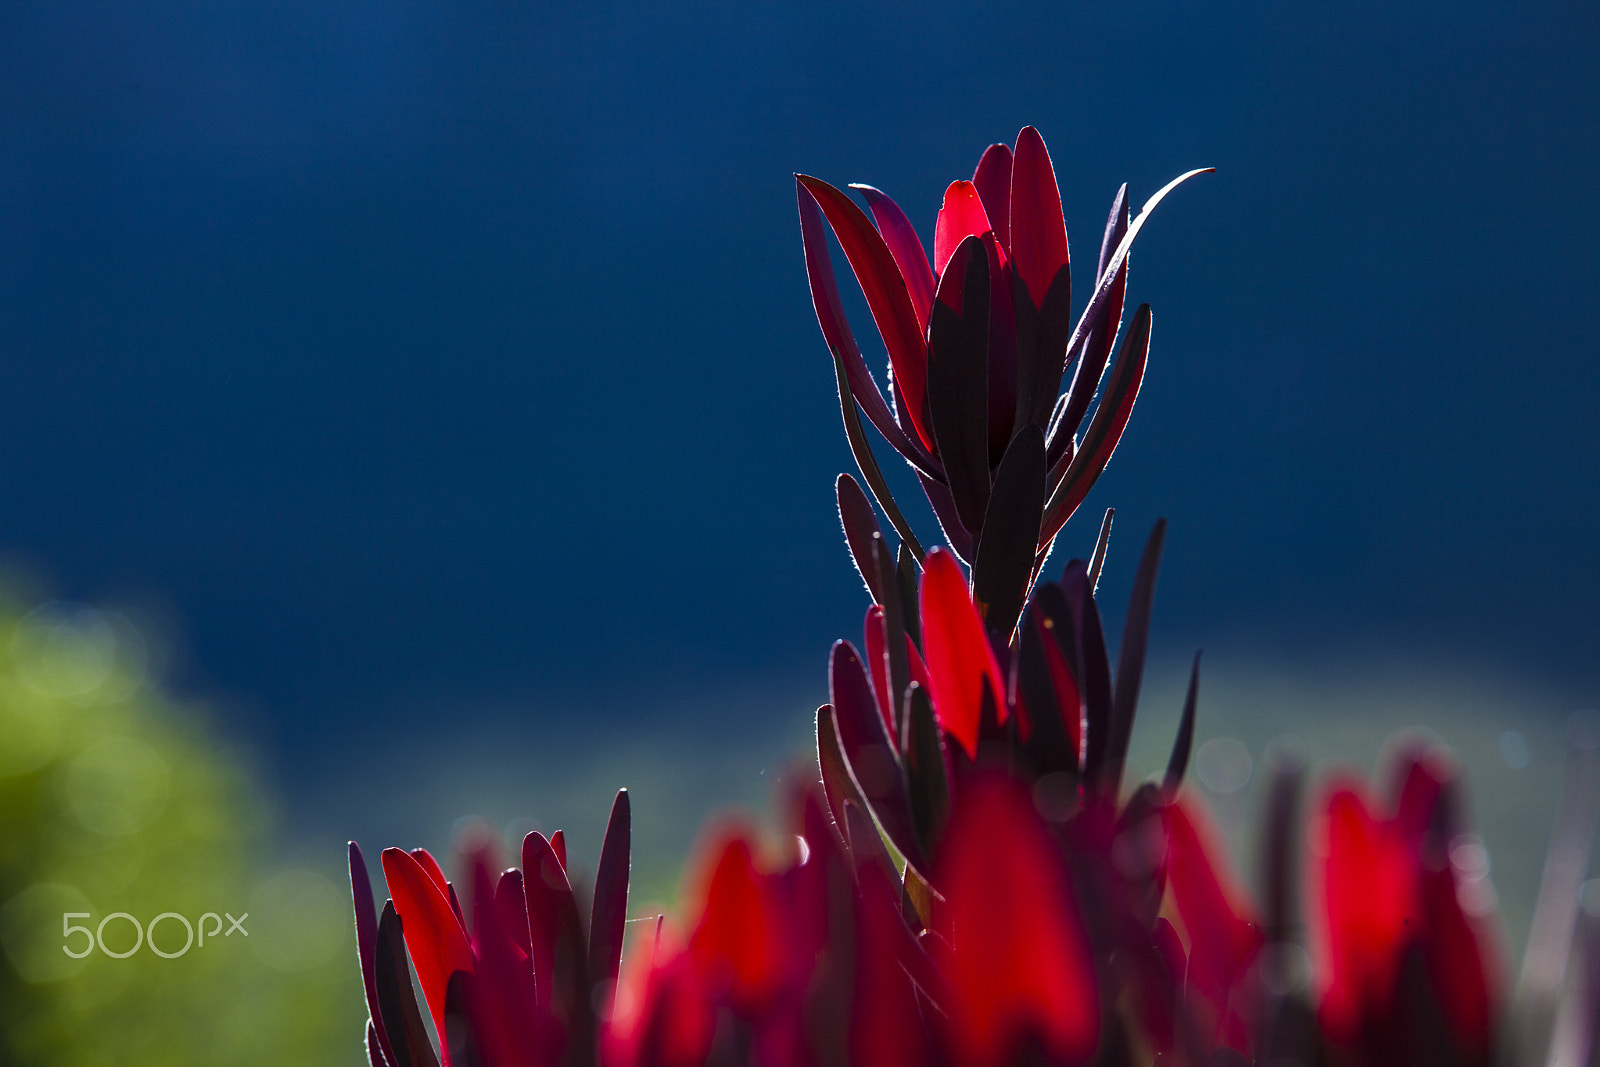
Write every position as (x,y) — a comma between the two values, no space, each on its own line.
(553,927)
(1050,748)
(905,247)
(860,527)
(927,768)
(1092,666)
(838,784)
(867,463)
(894,634)
(887,297)
(958,390)
(460,1037)
(1005,555)
(1101,545)
(609,917)
(504,1008)
(366,940)
(511,906)
(866,846)
(871,758)
(944,509)
(1130,657)
(1002,359)
(397,1002)
(841,341)
(1280,866)
(1042,334)
(1105,430)
(1113,265)
(907,578)
(1178,763)
(992,179)
(1097,348)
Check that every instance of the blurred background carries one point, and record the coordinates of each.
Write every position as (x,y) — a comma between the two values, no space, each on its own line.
(428,399)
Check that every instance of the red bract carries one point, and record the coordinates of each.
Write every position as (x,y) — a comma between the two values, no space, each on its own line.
(1018,964)
(1404,956)
(978,344)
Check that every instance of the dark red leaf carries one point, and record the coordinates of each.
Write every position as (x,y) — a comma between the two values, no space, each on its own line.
(1004,563)
(992,179)
(397,1004)
(1038,229)
(504,1012)
(944,509)
(554,934)
(860,526)
(927,767)
(434,934)
(609,916)
(867,463)
(1002,360)
(1091,667)
(838,784)
(868,752)
(1043,692)
(1105,430)
(1130,657)
(841,341)
(1103,334)
(958,369)
(906,248)
(957,654)
(512,906)
(1178,763)
(458,1034)
(1102,545)
(887,298)
(366,941)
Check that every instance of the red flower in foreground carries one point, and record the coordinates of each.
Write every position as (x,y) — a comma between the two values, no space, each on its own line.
(1405,960)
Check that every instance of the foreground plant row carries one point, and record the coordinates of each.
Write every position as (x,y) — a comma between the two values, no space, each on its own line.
(970,882)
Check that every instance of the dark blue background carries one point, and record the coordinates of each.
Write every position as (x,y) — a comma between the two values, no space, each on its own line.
(420,359)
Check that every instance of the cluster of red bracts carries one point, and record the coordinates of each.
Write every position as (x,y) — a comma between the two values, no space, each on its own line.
(973,893)
(979,342)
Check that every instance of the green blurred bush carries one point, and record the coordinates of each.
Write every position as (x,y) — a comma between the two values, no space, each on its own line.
(114,800)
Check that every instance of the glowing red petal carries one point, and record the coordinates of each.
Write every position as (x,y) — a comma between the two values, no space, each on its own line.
(958,657)
(434,938)
(962,216)
(1018,965)
(992,179)
(1038,228)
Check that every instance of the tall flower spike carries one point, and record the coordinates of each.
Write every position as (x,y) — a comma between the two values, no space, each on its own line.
(979,342)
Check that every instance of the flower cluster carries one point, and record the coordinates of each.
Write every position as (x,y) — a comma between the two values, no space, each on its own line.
(969,883)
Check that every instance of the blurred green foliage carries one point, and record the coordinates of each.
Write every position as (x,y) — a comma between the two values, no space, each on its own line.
(114,800)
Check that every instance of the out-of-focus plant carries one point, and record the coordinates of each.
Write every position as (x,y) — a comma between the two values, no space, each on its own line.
(970,884)
(114,800)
